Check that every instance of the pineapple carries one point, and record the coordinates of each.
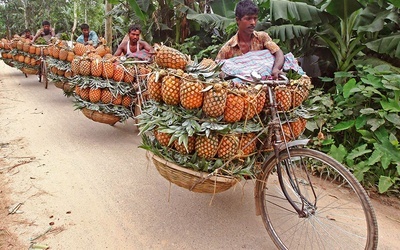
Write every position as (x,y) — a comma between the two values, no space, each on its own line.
(261,100)
(191,95)
(96,67)
(190,146)
(68,73)
(247,144)
(119,72)
(228,146)
(250,104)
(27,60)
(294,129)
(129,76)
(101,49)
(84,93)
(77,90)
(283,98)
(234,107)
(56,52)
(154,86)
(207,63)
(75,66)
(162,138)
(300,89)
(117,100)
(106,96)
(84,66)
(20,45)
(37,51)
(33,61)
(70,56)
(32,49)
(94,95)
(26,47)
(108,69)
(167,57)
(215,100)
(126,101)
(63,54)
(21,58)
(54,70)
(60,72)
(170,89)
(207,147)
(79,49)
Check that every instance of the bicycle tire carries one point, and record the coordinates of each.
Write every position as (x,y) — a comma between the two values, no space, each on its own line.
(44,75)
(343,218)
(40,72)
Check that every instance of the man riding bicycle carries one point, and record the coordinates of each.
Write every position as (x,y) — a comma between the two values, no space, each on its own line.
(46,32)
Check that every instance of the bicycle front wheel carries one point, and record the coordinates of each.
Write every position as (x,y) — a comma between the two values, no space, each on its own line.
(337,213)
(44,74)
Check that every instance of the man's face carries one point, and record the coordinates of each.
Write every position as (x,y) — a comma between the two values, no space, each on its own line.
(46,27)
(247,23)
(134,35)
(85,32)
(27,34)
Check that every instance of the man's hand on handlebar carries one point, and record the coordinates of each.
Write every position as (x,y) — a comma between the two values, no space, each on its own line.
(275,73)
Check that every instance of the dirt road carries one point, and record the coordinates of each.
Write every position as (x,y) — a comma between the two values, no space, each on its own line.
(87,185)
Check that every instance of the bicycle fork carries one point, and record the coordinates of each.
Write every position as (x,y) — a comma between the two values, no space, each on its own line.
(307,208)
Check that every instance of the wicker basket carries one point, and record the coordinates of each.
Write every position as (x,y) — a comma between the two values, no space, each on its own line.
(30,71)
(100,117)
(192,180)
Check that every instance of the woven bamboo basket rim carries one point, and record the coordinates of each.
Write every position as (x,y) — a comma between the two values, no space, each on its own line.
(100,117)
(195,181)
(29,71)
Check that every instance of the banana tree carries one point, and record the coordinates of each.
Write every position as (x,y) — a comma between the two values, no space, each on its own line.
(335,25)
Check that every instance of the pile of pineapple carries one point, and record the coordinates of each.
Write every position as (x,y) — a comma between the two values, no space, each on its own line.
(5,49)
(104,83)
(197,120)
(19,53)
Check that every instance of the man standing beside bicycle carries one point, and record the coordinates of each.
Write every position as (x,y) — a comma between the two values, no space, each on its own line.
(88,36)
(47,32)
(247,39)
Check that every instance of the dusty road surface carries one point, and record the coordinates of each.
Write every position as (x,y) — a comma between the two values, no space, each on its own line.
(78,184)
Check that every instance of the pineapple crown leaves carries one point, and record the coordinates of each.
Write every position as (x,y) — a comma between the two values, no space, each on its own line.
(246,127)
(207,127)
(41,41)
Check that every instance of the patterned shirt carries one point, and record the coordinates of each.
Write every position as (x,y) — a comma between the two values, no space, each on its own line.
(92,37)
(260,40)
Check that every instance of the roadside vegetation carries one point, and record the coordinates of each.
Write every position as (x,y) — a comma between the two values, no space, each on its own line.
(350,48)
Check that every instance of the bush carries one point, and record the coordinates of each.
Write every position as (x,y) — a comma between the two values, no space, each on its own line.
(359,125)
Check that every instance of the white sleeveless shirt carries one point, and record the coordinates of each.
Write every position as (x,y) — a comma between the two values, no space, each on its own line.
(128,50)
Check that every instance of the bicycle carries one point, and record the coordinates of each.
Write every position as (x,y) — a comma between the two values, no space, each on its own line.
(42,73)
(306,198)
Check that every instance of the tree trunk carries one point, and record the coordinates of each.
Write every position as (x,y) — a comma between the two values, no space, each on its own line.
(25,7)
(75,19)
(108,24)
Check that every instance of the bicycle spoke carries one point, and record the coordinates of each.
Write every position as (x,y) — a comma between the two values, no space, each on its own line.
(334,203)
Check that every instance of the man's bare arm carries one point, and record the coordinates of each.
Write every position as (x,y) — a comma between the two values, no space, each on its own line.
(148,47)
(278,64)
(120,49)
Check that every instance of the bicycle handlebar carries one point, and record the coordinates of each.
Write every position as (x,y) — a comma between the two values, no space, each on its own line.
(256,79)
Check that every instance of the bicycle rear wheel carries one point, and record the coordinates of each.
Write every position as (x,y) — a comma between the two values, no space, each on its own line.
(339,212)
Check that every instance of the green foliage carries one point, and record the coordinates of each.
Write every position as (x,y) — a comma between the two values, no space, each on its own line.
(361,125)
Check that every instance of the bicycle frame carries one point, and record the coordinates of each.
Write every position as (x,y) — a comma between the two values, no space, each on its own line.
(42,66)
(279,144)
